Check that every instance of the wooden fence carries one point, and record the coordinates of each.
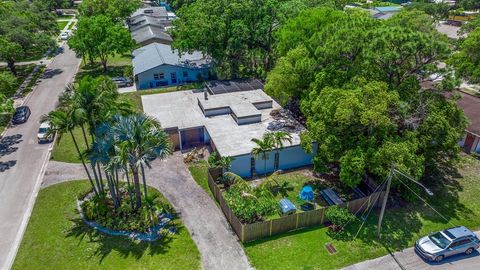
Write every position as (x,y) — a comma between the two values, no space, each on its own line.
(262,229)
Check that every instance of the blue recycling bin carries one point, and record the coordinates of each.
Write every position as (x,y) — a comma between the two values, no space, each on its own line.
(287,207)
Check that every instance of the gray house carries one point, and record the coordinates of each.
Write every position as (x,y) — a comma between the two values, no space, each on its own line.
(157,65)
(147,34)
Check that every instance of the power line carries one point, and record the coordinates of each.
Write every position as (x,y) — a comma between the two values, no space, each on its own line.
(368,214)
(342,227)
(426,203)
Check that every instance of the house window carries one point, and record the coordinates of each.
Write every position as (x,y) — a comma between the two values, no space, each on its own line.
(252,166)
(173,76)
(277,161)
(185,73)
(158,76)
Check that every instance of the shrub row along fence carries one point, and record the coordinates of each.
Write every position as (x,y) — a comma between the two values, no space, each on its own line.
(258,230)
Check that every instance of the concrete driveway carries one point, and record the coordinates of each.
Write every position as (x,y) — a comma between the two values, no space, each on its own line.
(409,260)
(22,159)
(218,245)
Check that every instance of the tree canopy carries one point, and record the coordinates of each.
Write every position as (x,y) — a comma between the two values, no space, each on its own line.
(117,10)
(26,30)
(326,57)
(467,60)
(100,37)
(238,34)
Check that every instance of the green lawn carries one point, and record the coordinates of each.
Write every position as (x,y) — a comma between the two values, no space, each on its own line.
(456,199)
(64,150)
(200,175)
(71,25)
(56,238)
(61,25)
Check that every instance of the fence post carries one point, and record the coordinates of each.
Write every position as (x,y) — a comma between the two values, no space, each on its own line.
(243,233)
(296,224)
(270,227)
(323,215)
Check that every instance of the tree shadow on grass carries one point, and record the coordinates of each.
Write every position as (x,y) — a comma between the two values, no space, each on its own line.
(125,246)
(96,70)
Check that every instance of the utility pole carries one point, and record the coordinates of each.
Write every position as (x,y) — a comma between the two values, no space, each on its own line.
(384,203)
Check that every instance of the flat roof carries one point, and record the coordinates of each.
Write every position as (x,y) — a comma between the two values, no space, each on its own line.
(180,109)
(222,87)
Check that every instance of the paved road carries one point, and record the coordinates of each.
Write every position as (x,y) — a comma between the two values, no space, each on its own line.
(22,159)
(409,260)
(218,245)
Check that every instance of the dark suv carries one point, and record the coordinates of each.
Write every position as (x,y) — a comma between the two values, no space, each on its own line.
(21,115)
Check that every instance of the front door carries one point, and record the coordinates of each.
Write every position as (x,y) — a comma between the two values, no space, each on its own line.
(173,76)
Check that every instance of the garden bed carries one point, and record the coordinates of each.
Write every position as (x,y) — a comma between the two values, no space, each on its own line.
(56,238)
(128,224)
(250,231)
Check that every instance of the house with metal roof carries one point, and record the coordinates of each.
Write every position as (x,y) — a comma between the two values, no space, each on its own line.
(157,65)
(147,34)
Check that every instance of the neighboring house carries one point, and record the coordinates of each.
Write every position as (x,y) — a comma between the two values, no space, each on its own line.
(156,12)
(471,107)
(158,16)
(384,13)
(157,65)
(148,34)
(227,122)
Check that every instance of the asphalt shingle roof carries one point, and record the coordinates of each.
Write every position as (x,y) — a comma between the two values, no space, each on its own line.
(156,54)
(147,32)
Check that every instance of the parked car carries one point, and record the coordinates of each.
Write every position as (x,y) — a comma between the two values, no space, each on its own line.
(44,135)
(21,115)
(439,245)
(64,36)
(122,81)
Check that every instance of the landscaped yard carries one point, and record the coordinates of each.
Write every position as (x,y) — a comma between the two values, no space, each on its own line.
(61,24)
(57,239)
(456,199)
(64,150)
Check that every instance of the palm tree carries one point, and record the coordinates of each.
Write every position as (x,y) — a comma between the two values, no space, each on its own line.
(264,146)
(138,140)
(279,137)
(62,122)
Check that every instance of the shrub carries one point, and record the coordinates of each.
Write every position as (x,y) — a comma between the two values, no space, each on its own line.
(99,208)
(214,160)
(250,204)
(339,217)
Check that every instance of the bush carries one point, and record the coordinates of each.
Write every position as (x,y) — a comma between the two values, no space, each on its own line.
(250,204)
(99,208)
(339,217)
(214,160)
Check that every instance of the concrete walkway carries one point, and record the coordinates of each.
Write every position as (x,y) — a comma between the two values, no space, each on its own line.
(407,259)
(58,172)
(215,240)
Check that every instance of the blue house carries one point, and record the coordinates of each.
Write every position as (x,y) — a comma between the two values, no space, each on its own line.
(157,65)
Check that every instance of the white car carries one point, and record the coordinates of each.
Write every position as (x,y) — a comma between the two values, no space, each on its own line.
(44,135)
(64,36)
